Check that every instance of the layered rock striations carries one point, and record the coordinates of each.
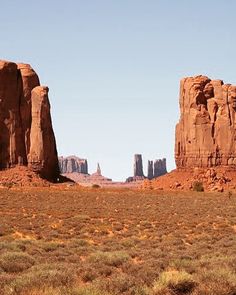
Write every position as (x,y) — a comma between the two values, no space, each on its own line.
(26,136)
(73,164)
(206,132)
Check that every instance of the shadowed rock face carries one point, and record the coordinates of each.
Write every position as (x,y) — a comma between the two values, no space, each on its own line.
(150,170)
(73,164)
(138,165)
(26,136)
(206,132)
(160,167)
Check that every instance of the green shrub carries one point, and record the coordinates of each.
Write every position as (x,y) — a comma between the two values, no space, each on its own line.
(185,264)
(16,261)
(118,284)
(51,246)
(78,243)
(176,281)
(198,186)
(12,246)
(95,186)
(115,258)
(41,276)
(91,290)
(217,281)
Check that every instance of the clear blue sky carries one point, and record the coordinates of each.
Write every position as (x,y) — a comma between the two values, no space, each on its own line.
(113,68)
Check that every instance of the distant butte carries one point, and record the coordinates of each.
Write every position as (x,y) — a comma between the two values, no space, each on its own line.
(73,164)
(76,169)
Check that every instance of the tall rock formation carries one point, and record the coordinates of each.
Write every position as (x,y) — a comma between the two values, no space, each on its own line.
(73,164)
(160,167)
(206,132)
(26,136)
(42,154)
(30,80)
(138,165)
(99,172)
(150,170)
(154,169)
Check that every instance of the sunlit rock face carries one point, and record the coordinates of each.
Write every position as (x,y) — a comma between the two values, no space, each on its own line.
(26,136)
(205,134)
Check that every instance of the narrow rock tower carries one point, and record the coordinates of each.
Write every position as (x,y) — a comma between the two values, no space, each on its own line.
(150,170)
(138,165)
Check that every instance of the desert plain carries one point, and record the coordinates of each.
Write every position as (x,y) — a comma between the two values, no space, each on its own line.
(91,241)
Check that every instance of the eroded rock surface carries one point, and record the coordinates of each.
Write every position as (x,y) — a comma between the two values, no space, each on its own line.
(150,170)
(206,132)
(26,136)
(73,164)
(138,165)
(159,167)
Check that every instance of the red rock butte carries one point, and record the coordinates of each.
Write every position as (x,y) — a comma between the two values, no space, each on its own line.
(206,132)
(27,136)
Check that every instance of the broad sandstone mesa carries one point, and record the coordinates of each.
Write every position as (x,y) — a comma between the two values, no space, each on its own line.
(73,164)
(206,132)
(26,136)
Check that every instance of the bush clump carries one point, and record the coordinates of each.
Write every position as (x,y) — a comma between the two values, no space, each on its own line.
(115,258)
(95,186)
(13,262)
(198,186)
(179,282)
(41,276)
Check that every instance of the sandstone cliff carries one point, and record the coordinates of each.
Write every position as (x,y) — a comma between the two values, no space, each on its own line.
(206,132)
(26,136)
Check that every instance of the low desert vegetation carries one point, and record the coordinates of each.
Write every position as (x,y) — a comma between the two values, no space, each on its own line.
(198,186)
(112,242)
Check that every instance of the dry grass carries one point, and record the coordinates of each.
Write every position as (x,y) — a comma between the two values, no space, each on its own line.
(108,242)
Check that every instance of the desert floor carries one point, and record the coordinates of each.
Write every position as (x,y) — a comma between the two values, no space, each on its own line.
(94,241)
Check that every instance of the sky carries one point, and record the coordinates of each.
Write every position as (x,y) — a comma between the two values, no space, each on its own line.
(113,69)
